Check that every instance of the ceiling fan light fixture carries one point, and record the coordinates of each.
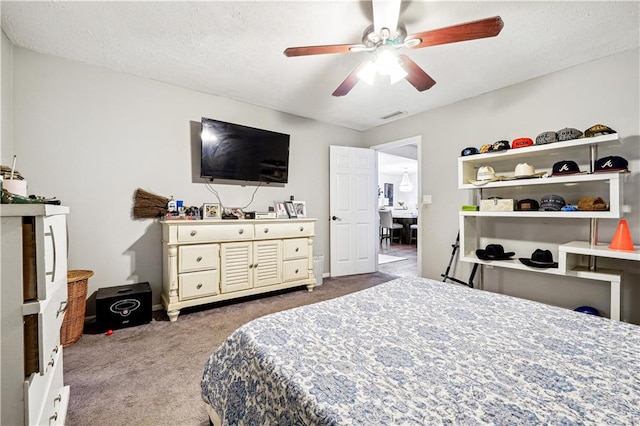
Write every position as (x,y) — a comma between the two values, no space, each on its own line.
(368,73)
(397,74)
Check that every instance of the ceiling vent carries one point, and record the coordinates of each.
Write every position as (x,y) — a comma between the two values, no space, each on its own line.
(393,114)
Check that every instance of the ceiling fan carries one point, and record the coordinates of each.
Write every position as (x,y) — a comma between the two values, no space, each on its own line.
(387,36)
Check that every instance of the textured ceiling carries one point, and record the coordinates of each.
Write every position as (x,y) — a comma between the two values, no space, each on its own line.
(233,49)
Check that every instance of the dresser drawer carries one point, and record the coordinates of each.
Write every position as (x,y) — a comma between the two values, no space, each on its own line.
(284,230)
(215,233)
(198,257)
(41,394)
(49,322)
(296,248)
(296,270)
(198,284)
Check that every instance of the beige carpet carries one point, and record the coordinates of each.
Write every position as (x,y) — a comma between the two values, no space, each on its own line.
(150,374)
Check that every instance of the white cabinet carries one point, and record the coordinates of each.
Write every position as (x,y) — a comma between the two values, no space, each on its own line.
(34,299)
(479,228)
(210,261)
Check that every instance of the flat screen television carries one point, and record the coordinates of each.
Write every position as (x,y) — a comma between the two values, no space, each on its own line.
(234,152)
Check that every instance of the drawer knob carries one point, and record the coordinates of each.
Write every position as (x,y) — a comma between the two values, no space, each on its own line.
(241,231)
(193,233)
(54,417)
(297,249)
(199,258)
(55,350)
(255,265)
(62,308)
(199,286)
(57,398)
(297,271)
(301,228)
(266,230)
(251,266)
(51,363)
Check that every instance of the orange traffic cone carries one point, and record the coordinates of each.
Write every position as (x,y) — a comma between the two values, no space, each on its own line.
(622,237)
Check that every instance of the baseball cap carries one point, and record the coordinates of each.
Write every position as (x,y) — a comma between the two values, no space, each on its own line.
(612,163)
(500,146)
(568,133)
(552,203)
(469,151)
(521,142)
(485,148)
(527,205)
(565,167)
(546,137)
(598,130)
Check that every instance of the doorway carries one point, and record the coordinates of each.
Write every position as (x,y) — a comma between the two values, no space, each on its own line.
(399,187)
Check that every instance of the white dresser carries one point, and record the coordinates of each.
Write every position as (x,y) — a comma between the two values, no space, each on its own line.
(210,261)
(33,287)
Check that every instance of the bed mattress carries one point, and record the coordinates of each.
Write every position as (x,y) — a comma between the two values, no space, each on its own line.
(418,351)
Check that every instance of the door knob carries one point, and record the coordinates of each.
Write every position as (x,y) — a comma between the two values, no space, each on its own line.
(336,218)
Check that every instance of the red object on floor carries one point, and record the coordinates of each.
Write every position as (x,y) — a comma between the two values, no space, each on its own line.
(109,332)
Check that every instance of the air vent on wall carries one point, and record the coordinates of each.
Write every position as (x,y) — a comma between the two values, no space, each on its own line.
(393,114)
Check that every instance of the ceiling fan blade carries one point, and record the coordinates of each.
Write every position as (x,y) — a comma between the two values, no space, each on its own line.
(385,15)
(482,28)
(321,50)
(348,83)
(416,75)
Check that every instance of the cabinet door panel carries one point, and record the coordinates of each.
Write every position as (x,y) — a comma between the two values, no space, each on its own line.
(235,262)
(267,260)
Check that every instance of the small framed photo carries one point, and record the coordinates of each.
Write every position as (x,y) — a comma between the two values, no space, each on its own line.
(232,213)
(280,209)
(291,211)
(211,211)
(300,208)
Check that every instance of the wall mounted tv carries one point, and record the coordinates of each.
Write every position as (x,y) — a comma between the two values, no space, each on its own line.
(235,152)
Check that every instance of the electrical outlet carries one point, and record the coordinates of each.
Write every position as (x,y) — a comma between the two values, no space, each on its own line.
(426,199)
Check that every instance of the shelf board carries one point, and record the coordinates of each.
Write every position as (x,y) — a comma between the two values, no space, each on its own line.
(531,151)
(599,250)
(552,180)
(563,215)
(609,275)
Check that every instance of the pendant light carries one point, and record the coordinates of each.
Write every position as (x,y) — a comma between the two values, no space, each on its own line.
(405,184)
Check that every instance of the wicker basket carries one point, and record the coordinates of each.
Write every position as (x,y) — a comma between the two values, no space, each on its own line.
(73,322)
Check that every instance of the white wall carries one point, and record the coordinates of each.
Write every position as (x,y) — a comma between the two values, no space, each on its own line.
(604,91)
(91,137)
(6,94)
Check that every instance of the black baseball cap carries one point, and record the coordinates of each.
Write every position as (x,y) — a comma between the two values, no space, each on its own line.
(611,164)
(552,203)
(527,205)
(472,150)
(565,167)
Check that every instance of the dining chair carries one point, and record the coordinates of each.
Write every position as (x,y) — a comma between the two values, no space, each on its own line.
(387,227)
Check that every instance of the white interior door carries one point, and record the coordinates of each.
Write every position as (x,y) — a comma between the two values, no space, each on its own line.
(353,209)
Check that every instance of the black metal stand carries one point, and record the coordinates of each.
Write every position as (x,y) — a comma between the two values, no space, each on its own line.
(446,276)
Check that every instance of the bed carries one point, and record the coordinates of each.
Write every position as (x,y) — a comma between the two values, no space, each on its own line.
(414,351)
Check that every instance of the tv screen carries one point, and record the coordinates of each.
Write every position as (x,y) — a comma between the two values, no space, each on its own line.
(236,152)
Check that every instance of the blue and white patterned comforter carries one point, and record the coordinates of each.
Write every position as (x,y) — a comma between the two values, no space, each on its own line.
(415,351)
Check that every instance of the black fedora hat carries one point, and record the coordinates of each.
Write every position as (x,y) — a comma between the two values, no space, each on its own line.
(540,259)
(493,252)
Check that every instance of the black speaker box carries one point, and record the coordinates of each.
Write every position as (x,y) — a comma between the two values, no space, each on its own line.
(123,306)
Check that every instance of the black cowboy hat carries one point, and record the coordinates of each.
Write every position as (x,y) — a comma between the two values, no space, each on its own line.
(493,252)
(540,259)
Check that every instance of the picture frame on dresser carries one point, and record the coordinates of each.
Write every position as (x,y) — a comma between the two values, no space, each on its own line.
(300,207)
(291,211)
(281,210)
(211,211)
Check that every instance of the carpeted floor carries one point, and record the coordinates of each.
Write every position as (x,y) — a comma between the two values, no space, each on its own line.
(150,374)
